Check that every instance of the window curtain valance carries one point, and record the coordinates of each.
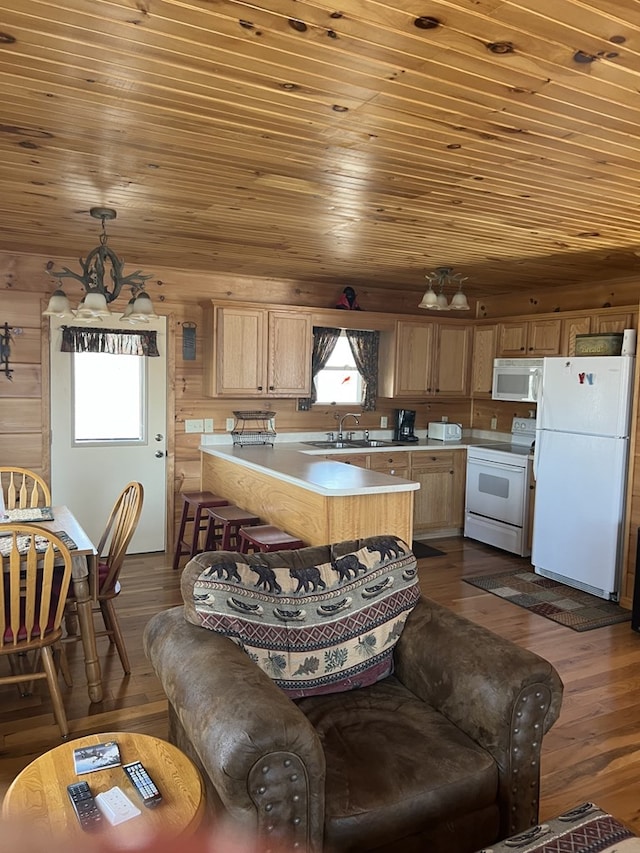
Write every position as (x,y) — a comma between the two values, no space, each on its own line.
(112,341)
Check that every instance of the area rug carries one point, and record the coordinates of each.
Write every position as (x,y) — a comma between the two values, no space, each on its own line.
(420,550)
(563,604)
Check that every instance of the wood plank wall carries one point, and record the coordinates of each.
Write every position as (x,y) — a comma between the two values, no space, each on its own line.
(24,402)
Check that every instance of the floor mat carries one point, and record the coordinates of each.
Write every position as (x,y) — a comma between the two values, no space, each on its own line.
(563,604)
(421,549)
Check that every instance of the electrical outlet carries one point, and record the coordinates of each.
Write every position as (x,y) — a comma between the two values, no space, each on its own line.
(194,425)
(494,423)
(208,424)
(230,424)
(383,422)
(445,419)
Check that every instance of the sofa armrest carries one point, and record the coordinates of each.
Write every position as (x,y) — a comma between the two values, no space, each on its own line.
(260,752)
(503,696)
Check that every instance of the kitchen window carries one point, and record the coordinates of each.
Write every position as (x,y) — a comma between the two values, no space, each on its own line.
(339,381)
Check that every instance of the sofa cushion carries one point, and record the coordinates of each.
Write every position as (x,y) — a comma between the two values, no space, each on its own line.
(316,620)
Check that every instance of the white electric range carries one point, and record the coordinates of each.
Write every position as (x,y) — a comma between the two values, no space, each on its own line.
(498,487)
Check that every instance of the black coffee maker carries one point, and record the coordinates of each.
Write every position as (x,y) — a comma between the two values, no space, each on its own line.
(405,421)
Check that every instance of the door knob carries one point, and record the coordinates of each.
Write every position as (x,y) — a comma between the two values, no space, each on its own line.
(159,454)
(159,436)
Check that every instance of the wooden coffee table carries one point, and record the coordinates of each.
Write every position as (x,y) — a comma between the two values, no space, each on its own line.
(39,796)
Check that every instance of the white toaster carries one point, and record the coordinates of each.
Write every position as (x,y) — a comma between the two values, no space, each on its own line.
(445,432)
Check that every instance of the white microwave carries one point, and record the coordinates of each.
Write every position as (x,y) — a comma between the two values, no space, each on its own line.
(517,380)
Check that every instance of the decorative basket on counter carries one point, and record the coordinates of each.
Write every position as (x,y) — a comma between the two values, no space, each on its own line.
(252,428)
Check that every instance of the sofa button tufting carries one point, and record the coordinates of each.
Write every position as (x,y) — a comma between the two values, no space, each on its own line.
(268,807)
(262,789)
(294,777)
(296,797)
(265,768)
(296,821)
(287,762)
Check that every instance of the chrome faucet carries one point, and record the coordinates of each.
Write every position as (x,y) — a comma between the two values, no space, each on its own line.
(355,415)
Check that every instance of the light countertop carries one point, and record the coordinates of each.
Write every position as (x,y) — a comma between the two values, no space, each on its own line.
(299,464)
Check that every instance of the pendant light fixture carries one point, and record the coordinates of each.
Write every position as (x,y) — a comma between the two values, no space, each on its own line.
(100,262)
(440,279)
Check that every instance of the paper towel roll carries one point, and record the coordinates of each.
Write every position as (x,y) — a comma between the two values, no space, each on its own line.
(629,342)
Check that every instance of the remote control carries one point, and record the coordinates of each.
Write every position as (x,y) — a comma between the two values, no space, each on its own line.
(84,805)
(143,783)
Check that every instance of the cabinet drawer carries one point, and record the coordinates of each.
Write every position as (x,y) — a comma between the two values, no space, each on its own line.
(438,459)
(383,461)
(360,460)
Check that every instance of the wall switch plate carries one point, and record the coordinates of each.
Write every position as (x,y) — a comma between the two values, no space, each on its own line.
(494,423)
(194,425)
(383,422)
(208,424)
(230,423)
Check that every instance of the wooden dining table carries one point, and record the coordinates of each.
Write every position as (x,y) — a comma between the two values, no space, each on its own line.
(84,560)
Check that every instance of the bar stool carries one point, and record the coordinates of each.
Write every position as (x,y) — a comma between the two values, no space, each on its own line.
(199,501)
(267,537)
(229,519)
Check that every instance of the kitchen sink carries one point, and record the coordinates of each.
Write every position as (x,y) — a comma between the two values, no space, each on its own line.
(350,443)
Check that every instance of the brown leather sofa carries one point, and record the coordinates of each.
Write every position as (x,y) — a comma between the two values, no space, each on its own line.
(442,756)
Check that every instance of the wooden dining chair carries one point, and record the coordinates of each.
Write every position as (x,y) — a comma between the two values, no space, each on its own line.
(111,550)
(22,488)
(36,571)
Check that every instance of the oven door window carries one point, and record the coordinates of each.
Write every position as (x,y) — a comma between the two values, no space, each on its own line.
(496,491)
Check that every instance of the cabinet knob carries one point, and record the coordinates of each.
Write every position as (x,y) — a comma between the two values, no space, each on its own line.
(272,387)
(259,387)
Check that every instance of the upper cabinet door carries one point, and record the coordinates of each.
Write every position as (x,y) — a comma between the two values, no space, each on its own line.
(570,328)
(512,339)
(544,337)
(612,323)
(414,357)
(289,356)
(484,351)
(451,375)
(240,351)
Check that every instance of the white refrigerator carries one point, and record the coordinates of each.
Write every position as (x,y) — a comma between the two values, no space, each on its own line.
(580,468)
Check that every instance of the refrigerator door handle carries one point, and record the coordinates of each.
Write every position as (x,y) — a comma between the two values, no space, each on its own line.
(536,454)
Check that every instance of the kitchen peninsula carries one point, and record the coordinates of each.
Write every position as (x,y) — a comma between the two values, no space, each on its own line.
(319,500)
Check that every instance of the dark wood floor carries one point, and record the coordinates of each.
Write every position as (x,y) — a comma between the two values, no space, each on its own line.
(592,753)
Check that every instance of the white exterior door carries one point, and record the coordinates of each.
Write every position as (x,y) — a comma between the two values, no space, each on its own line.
(88,475)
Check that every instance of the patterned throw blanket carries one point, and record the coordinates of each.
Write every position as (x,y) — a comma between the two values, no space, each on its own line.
(584,829)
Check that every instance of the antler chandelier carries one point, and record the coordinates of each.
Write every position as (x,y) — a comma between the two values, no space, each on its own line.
(99,293)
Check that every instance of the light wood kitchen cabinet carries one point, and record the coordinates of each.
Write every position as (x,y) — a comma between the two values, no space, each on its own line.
(406,360)
(360,460)
(606,323)
(426,359)
(571,327)
(396,464)
(257,352)
(452,360)
(439,503)
(529,338)
(483,353)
